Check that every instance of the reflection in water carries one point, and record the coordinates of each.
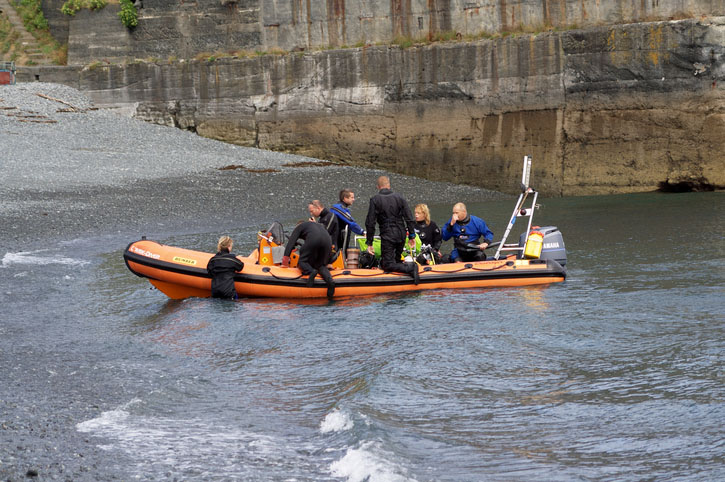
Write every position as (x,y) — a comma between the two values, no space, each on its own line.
(534,297)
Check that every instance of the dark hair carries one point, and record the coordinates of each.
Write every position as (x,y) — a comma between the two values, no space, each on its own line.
(343,194)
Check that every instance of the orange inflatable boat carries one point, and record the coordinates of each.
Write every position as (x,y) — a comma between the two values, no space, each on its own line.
(181,273)
(539,258)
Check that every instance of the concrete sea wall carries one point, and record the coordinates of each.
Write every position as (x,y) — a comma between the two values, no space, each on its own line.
(602,110)
(169,28)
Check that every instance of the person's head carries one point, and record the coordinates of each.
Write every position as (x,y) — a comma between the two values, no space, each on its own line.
(347,197)
(460,210)
(422,213)
(383,182)
(315,207)
(225,244)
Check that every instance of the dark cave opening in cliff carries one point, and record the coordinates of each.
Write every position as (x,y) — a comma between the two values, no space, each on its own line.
(699,185)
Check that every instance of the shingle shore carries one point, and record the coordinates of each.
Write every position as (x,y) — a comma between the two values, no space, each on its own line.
(70,170)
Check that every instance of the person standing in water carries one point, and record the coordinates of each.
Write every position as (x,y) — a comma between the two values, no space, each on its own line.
(222,267)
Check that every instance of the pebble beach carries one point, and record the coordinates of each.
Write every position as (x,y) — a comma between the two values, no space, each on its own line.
(71,170)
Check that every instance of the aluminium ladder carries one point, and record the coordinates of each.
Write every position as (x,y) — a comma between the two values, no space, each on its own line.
(520,211)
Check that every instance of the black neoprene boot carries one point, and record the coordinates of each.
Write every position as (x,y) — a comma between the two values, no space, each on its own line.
(414,272)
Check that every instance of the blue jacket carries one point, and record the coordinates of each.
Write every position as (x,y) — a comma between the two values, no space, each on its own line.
(467,231)
(343,215)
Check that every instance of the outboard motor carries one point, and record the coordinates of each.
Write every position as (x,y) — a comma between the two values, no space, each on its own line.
(553,244)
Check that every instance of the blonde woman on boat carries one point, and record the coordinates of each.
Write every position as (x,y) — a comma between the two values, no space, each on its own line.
(427,230)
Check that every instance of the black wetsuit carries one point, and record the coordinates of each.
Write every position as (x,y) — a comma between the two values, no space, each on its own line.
(314,253)
(329,221)
(392,214)
(222,267)
(430,234)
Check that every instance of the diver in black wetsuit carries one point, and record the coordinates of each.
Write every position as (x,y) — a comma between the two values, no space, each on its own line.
(392,214)
(326,218)
(222,267)
(314,253)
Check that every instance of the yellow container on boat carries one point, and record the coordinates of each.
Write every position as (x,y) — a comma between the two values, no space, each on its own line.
(534,245)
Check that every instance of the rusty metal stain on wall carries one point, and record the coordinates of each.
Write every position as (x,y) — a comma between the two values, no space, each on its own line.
(400,14)
(439,16)
(555,12)
(503,15)
(336,22)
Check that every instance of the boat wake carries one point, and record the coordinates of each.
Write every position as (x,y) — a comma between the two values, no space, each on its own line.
(38,259)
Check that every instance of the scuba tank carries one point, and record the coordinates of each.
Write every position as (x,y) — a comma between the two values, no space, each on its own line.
(552,244)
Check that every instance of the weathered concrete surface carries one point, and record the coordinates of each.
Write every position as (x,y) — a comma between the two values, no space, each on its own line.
(604,110)
(166,30)
(172,29)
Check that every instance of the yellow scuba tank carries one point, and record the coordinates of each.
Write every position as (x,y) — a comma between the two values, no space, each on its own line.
(534,245)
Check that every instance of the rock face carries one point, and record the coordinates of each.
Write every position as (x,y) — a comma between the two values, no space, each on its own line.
(184,29)
(601,110)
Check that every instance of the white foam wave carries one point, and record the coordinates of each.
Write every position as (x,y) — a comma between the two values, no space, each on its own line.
(194,445)
(32,257)
(336,421)
(368,463)
(107,420)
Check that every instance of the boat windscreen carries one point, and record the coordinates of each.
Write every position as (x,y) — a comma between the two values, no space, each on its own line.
(276,232)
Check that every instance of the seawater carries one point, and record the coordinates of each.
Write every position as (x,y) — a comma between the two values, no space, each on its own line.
(615,374)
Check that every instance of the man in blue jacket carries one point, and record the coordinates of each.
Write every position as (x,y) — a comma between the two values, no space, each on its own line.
(345,220)
(466,231)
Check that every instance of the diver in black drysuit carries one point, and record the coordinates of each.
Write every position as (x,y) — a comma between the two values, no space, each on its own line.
(392,213)
(222,267)
(314,253)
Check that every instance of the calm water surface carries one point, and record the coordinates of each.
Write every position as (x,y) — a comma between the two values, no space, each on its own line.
(616,374)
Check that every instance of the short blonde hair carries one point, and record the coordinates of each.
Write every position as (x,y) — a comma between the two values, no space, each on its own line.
(225,244)
(383,182)
(426,212)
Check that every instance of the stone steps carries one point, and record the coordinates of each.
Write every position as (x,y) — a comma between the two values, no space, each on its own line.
(30,45)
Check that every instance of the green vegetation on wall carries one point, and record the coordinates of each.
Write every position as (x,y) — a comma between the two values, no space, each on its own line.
(70,7)
(32,15)
(128,14)
(27,53)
